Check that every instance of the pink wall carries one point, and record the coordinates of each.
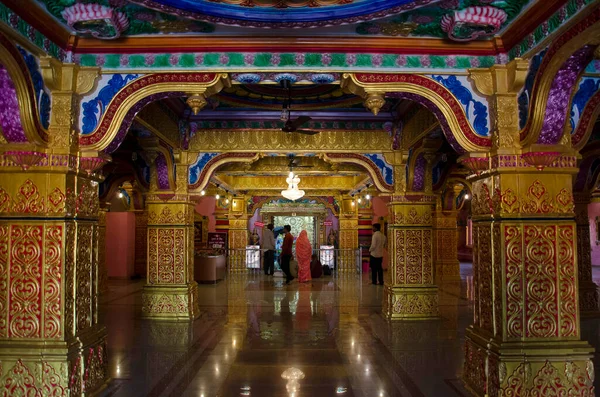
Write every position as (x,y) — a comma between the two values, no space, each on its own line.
(593,212)
(206,207)
(120,244)
(380,208)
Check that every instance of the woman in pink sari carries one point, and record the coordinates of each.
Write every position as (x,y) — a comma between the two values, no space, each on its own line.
(303,255)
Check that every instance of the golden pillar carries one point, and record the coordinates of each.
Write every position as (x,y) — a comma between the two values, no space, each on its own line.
(170,292)
(237,234)
(137,206)
(525,339)
(445,239)
(102,269)
(141,242)
(348,238)
(51,342)
(410,292)
(51,339)
(588,290)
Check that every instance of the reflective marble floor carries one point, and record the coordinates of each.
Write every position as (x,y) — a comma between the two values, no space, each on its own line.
(253,330)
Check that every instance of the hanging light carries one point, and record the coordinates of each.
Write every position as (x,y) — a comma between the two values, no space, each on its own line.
(368,196)
(292,192)
(227,201)
(217,196)
(202,193)
(120,194)
(359,200)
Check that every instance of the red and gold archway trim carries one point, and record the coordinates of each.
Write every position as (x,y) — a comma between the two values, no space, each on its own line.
(559,52)
(440,96)
(18,72)
(367,164)
(214,163)
(586,122)
(137,90)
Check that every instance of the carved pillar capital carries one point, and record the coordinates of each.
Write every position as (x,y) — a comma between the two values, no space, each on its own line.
(67,82)
(502,84)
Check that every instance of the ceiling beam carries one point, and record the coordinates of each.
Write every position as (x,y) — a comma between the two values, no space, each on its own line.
(40,19)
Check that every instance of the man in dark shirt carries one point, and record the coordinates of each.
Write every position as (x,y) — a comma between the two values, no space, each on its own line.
(286,253)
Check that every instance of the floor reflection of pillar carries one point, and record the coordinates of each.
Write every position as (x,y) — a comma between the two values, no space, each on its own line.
(236,299)
(450,299)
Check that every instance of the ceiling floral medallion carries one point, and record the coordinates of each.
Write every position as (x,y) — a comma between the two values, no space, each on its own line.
(473,22)
(100,21)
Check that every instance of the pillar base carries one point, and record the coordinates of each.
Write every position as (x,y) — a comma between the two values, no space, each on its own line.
(410,303)
(173,303)
(55,368)
(493,368)
(588,299)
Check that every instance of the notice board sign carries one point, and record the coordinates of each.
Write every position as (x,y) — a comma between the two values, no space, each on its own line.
(217,240)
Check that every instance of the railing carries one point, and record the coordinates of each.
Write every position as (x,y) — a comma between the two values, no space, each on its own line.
(340,261)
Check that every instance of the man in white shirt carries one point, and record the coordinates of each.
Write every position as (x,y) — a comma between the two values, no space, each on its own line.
(376,251)
(268,244)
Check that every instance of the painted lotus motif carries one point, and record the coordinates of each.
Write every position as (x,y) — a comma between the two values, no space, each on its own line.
(473,22)
(100,21)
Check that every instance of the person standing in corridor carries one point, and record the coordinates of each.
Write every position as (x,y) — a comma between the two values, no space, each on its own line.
(268,244)
(286,253)
(376,251)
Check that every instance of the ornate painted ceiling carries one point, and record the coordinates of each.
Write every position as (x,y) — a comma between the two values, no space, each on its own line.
(458,20)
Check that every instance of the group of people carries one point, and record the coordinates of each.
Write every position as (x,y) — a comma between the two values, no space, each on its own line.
(309,266)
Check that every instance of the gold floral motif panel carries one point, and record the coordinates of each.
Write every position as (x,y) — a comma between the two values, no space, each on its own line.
(31,268)
(168,255)
(409,214)
(411,256)
(410,303)
(487,374)
(277,141)
(482,276)
(541,280)
(524,195)
(84,273)
(170,302)
(171,214)
(35,195)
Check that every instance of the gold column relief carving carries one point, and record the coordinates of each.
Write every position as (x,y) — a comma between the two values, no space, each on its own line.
(526,291)
(49,258)
(171,292)
(410,292)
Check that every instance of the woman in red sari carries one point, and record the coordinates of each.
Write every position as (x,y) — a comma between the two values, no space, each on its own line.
(303,255)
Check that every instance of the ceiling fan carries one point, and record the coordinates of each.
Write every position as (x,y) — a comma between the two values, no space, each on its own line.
(293,163)
(293,125)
